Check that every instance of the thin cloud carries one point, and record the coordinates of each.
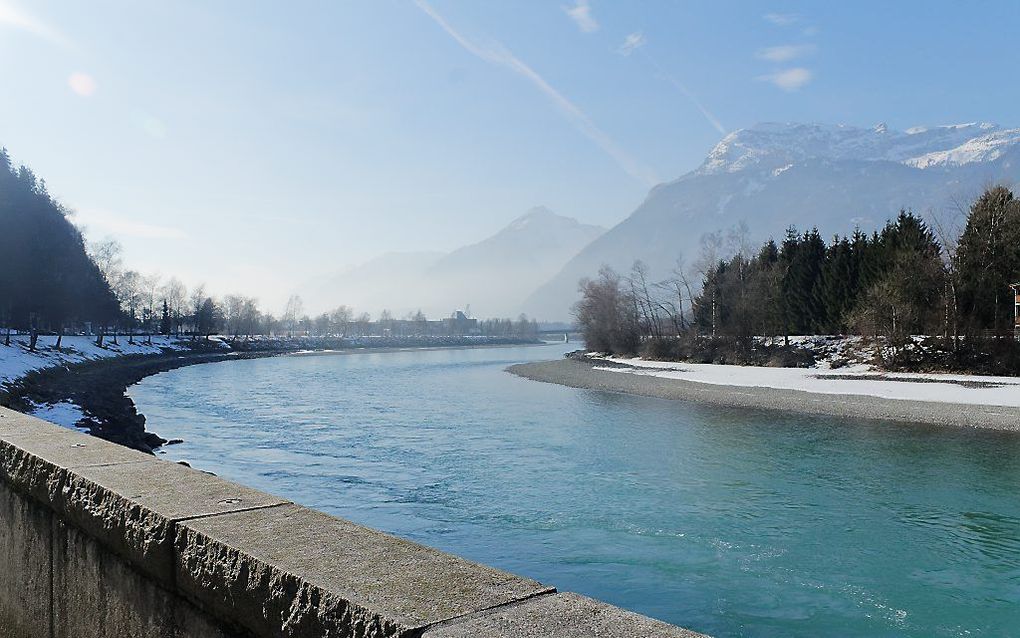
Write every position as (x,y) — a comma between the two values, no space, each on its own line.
(580,13)
(782,19)
(82,83)
(497,54)
(14,17)
(789,79)
(632,42)
(121,226)
(786,52)
(789,20)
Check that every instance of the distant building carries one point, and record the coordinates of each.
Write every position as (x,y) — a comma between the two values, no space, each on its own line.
(460,324)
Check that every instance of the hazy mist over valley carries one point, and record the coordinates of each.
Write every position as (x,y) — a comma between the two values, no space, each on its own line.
(493,276)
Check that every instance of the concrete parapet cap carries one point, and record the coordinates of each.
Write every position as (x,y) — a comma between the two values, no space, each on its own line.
(132,508)
(309,574)
(126,500)
(61,447)
(563,616)
(35,455)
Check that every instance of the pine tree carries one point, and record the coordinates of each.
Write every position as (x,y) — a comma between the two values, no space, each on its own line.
(989,259)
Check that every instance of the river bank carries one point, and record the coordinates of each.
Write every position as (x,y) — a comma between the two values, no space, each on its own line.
(97,390)
(599,375)
(86,387)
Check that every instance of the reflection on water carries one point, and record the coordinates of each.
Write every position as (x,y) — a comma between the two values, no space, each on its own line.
(732,522)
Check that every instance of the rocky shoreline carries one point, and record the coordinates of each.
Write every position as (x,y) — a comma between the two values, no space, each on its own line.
(578,372)
(99,387)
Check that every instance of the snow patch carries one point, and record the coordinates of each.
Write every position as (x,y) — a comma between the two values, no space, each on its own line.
(855,379)
(65,413)
(986,148)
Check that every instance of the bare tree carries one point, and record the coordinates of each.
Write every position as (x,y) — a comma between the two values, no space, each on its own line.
(250,315)
(233,310)
(197,298)
(149,290)
(293,312)
(679,294)
(340,319)
(646,308)
(606,314)
(363,323)
(175,294)
(322,324)
(421,321)
(130,293)
(948,227)
(108,256)
(709,256)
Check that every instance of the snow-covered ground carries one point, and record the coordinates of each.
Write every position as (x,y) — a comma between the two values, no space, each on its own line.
(16,361)
(856,379)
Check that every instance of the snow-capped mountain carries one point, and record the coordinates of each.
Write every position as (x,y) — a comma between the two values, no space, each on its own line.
(775,146)
(774,175)
(493,276)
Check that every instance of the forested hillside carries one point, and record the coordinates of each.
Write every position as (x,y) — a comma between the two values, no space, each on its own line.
(47,280)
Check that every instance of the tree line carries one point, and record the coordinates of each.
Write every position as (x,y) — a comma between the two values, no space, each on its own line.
(949,278)
(47,280)
(54,282)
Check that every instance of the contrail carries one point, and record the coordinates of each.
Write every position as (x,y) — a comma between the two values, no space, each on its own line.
(680,86)
(500,55)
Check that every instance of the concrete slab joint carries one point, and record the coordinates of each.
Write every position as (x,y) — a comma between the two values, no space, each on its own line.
(147,547)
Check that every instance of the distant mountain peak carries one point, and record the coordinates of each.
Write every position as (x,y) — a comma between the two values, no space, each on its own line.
(542,219)
(534,214)
(539,211)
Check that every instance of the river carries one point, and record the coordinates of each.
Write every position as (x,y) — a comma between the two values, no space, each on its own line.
(731,522)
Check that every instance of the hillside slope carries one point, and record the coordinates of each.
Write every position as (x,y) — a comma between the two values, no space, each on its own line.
(772,176)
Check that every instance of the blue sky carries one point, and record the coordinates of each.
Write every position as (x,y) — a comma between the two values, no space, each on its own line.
(254,145)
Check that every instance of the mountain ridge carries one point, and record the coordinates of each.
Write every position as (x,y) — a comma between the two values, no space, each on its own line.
(773,175)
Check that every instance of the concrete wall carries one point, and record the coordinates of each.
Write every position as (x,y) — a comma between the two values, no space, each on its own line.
(99,540)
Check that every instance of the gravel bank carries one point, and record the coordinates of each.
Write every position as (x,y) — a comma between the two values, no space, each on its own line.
(580,374)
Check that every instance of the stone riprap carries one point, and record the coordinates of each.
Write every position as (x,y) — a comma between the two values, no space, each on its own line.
(99,540)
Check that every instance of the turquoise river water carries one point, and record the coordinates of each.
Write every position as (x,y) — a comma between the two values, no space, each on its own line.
(730,522)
